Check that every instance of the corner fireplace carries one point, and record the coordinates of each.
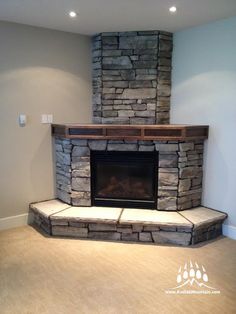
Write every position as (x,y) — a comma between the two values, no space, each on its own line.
(124,179)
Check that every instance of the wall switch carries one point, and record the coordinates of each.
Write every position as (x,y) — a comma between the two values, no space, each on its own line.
(50,118)
(22,120)
(44,118)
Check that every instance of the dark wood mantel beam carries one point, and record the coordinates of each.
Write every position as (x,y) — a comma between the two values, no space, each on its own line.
(130,132)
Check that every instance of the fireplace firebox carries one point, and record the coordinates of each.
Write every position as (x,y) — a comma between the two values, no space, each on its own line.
(124,179)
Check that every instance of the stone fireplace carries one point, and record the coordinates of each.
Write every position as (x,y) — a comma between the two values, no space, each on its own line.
(177,169)
(131,96)
(130,176)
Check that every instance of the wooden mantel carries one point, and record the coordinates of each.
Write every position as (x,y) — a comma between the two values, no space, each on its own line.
(130,132)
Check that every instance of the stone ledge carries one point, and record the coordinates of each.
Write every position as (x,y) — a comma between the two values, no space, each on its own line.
(203,216)
(48,208)
(153,217)
(133,225)
(89,214)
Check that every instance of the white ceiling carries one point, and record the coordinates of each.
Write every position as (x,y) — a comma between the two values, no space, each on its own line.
(96,16)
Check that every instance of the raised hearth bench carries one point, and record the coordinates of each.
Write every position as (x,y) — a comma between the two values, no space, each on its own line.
(128,224)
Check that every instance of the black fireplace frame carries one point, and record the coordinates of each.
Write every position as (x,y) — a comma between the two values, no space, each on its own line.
(126,157)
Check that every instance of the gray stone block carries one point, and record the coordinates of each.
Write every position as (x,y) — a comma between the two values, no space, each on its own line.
(106,235)
(145,237)
(124,229)
(78,224)
(122,147)
(139,120)
(167,193)
(83,171)
(138,42)
(102,227)
(76,201)
(145,113)
(127,75)
(109,40)
(168,160)
(129,237)
(184,147)
(62,158)
(184,185)
(122,62)
(108,90)
(140,84)
(168,228)
(167,203)
(68,231)
(116,84)
(64,196)
(97,144)
(126,113)
(79,151)
(167,147)
(144,77)
(137,227)
(146,65)
(81,184)
(139,93)
(63,180)
(139,107)
(190,172)
(109,113)
(111,53)
(151,228)
(146,148)
(168,178)
(164,90)
(185,205)
(58,147)
(59,222)
(180,238)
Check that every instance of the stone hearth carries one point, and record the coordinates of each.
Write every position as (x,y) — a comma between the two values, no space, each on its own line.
(136,225)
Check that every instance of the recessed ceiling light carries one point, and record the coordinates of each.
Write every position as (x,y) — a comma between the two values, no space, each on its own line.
(72,14)
(173,9)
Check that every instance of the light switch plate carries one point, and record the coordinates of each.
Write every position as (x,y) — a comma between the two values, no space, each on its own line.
(50,118)
(22,119)
(44,118)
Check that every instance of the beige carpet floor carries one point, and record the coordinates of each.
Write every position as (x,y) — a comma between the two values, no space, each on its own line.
(39,274)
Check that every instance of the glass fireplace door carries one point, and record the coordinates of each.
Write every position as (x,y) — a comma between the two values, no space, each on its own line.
(124,179)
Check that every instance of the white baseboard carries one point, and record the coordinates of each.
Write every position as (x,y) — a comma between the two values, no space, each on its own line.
(229,231)
(14,221)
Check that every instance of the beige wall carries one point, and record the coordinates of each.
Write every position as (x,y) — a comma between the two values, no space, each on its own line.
(41,71)
(203,92)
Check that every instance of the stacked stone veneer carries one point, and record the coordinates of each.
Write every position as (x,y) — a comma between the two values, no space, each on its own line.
(132,77)
(180,170)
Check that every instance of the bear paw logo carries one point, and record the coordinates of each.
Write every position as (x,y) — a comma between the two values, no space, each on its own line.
(192,274)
